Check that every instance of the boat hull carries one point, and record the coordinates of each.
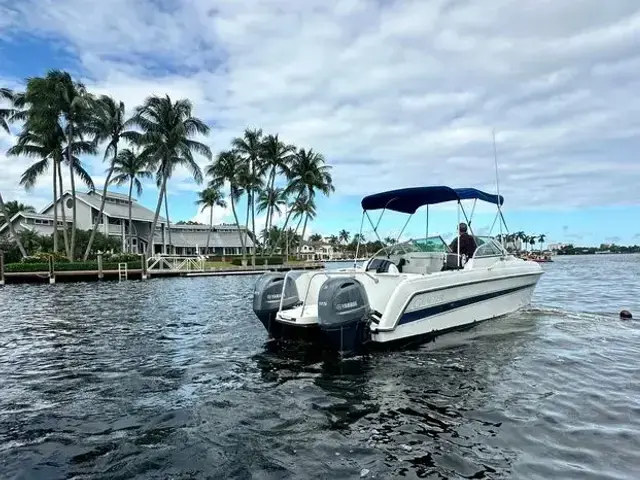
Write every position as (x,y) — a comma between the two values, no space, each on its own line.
(286,332)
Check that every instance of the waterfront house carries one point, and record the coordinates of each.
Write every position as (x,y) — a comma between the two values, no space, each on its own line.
(185,239)
(316,251)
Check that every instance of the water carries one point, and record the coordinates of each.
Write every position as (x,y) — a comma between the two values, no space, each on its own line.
(170,379)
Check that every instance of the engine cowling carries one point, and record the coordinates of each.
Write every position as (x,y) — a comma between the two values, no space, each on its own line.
(266,299)
(343,307)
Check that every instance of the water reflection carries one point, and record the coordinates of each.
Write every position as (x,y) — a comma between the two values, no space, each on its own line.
(173,379)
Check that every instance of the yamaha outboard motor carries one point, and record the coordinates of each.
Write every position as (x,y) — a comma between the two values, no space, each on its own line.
(266,300)
(343,308)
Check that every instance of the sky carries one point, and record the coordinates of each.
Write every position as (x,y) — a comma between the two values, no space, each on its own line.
(393,94)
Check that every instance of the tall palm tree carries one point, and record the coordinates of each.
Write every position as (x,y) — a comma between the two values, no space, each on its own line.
(344,236)
(305,209)
(276,158)
(47,147)
(107,124)
(129,168)
(541,239)
(308,174)
(55,106)
(167,128)
(316,237)
(251,182)
(250,148)
(227,169)
(271,199)
(12,231)
(209,198)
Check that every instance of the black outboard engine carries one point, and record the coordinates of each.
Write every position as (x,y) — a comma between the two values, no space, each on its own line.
(343,308)
(266,300)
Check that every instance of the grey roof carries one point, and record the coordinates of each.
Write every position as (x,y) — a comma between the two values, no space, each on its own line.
(138,212)
(119,196)
(199,238)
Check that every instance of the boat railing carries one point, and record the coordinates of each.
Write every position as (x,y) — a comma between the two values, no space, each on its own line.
(315,274)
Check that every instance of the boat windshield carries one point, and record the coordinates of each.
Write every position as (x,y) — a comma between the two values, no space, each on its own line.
(429,244)
(488,247)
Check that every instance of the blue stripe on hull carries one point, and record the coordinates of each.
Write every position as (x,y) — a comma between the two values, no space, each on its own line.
(445,307)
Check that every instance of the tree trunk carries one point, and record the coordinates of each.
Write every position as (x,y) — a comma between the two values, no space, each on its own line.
(166,210)
(304,227)
(12,231)
(72,248)
(235,216)
(246,227)
(102,202)
(55,207)
(130,243)
(269,218)
(286,221)
(253,227)
(64,215)
(155,218)
(206,252)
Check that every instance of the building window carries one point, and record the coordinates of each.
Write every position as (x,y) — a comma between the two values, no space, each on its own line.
(69,203)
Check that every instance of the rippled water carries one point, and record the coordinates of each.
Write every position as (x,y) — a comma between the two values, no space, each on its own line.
(171,379)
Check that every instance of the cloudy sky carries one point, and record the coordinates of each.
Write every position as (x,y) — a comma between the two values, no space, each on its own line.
(393,93)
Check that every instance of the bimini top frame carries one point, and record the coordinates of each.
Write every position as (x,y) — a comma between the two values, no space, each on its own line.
(408,200)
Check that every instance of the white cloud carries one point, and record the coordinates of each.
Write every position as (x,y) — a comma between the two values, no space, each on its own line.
(393,93)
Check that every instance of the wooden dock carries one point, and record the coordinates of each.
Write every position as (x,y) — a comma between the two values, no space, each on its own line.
(137,274)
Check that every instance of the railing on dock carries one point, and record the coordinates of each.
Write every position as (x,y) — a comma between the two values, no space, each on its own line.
(176,263)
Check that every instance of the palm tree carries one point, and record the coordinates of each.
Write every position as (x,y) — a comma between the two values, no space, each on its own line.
(129,168)
(14,207)
(6,114)
(532,241)
(47,147)
(107,124)
(304,208)
(209,198)
(316,237)
(226,168)
(250,148)
(276,157)
(308,173)
(58,109)
(167,130)
(271,199)
(344,236)
(389,241)
(541,239)
(12,231)
(251,182)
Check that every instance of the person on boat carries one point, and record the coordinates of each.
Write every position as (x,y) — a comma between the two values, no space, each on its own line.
(467,242)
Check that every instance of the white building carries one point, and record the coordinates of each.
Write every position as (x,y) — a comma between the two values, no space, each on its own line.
(185,239)
(316,251)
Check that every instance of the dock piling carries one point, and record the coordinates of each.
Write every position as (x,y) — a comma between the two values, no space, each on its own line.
(52,272)
(1,268)
(144,275)
(100,272)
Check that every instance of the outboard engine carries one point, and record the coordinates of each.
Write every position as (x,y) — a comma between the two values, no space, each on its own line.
(343,307)
(266,300)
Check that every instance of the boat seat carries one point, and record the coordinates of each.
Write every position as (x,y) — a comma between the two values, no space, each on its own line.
(382,265)
(451,262)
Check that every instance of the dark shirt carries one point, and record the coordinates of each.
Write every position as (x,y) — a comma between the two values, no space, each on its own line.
(467,245)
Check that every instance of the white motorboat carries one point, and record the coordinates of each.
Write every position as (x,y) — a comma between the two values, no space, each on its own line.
(406,292)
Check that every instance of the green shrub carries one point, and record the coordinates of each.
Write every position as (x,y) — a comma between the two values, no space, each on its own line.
(67,267)
(43,257)
(121,258)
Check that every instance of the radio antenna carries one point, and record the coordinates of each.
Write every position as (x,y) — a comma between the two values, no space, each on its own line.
(495,161)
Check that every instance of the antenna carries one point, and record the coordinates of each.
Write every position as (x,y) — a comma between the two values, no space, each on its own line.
(495,160)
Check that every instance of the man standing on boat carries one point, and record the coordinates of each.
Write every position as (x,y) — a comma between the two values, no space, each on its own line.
(467,242)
